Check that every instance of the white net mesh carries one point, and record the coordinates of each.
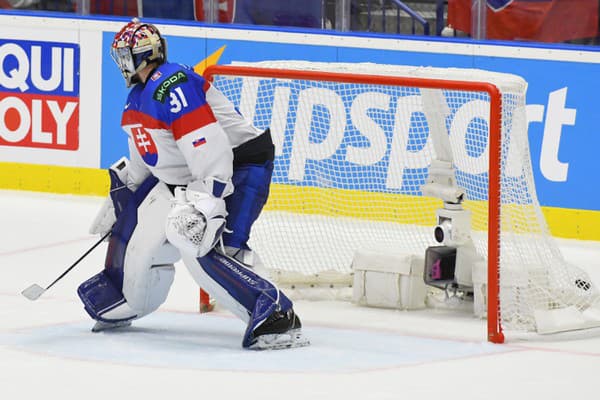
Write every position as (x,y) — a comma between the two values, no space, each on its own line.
(351,159)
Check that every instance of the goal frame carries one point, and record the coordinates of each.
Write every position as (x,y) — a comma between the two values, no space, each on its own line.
(494,328)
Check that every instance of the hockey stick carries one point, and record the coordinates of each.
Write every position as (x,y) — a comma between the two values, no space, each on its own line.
(34,291)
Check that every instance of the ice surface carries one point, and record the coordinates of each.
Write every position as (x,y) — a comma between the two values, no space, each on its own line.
(47,349)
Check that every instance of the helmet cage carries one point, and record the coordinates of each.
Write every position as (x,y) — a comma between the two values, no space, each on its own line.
(123,57)
(132,52)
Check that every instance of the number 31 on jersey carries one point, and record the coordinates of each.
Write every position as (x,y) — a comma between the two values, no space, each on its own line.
(178,100)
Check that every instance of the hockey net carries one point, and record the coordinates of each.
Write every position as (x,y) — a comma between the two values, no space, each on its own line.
(354,143)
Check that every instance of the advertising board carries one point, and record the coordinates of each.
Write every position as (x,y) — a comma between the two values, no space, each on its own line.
(61,96)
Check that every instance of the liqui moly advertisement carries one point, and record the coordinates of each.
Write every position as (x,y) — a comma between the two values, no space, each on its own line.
(39,94)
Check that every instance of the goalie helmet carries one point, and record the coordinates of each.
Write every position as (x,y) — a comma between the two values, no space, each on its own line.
(135,46)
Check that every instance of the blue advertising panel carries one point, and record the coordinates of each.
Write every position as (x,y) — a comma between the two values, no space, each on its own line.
(562,119)
(563,126)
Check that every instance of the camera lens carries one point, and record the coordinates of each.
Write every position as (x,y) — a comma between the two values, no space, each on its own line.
(443,232)
(438,233)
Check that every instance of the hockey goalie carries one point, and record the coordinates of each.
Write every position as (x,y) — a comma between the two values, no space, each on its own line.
(197,177)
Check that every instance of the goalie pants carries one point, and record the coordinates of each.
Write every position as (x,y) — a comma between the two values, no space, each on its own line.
(139,266)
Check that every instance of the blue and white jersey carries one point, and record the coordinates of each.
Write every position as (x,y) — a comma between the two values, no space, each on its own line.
(181,128)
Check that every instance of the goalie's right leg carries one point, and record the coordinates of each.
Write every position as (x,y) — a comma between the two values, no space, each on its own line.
(268,313)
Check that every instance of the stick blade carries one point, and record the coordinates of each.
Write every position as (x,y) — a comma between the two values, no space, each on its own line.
(33,292)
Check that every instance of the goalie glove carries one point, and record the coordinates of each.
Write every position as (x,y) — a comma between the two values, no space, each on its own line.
(196,221)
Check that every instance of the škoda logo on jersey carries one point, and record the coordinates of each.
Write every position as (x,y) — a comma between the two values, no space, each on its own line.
(161,92)
(39,94)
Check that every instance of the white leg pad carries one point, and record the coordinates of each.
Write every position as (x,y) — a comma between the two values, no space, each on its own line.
(148,266)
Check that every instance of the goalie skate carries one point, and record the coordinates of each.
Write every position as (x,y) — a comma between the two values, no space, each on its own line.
(104,326)
(277,341)
(282,330)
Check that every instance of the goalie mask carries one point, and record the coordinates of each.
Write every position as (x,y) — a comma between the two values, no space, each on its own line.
(135,46)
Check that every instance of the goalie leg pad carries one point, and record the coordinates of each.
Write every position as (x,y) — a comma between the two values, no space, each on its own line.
(103,301)
(146,259)
(253,292)
(245,293)
(251,182)
(139,262)
(123,230)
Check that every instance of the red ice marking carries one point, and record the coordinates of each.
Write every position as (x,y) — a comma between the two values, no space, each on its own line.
(44,246)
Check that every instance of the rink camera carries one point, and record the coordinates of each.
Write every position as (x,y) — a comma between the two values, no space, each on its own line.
(449,265)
